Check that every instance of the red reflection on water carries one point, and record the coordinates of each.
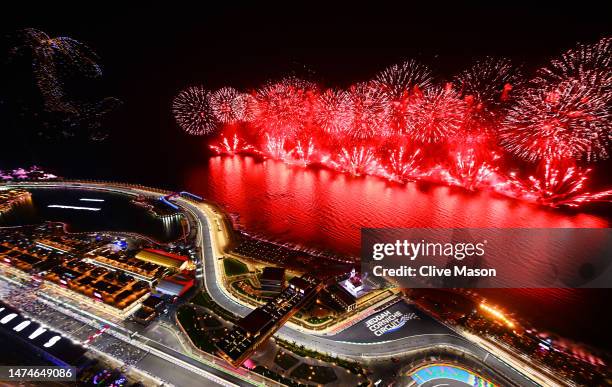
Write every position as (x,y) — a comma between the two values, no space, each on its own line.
(325,210)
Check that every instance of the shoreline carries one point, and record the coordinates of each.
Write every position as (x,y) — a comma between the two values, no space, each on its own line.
(216,211)
(212,241)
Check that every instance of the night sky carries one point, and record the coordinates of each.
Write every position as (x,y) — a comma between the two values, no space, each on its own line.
(149,55)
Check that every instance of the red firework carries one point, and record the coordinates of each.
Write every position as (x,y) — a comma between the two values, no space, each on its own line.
(275,147)
(487,88)
(304,152)
(468,169)
(401,80)
(284,108)
(371,111)
(403,165)
(192,111)
(435,115)
(358,161)
(585,61)
(228,105)
(556,185)
(232,147)
(489,81)
(333,112)
(250,107)
(566,120)
(563,114)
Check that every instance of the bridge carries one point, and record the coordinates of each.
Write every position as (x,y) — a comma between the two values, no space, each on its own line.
(166,199)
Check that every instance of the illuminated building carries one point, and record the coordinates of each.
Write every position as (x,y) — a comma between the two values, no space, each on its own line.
(106,290)
(62,244)
(272,279)
(338,298)
(175,285)
(259,325)
(151,307)
(349,294)
(354,285)
(162,258)
(119,260)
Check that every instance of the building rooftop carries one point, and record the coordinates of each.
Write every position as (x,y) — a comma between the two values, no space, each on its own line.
(175,285)
(144,315)
(255,322)
(300,283)
(273,274)
(153,302)
(342,295)
(162,258)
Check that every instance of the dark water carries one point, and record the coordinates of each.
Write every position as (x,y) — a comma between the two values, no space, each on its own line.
(117,213)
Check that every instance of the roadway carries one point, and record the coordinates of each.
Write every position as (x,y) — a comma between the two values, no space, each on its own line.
(334,345)
(210,278)
(131,349)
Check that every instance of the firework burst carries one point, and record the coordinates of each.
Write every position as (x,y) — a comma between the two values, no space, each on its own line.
(276,148)
(193,112)
(371,111)
(568,120)
(402,127)
(487,87)
(228,105)
(556,185)
(400,80)
(304,152)
(489,81)
(284,108)
(333,112)
(358,161)
(435,115)
(404,165)
(250,107)
(232,147)
(468,169)
(591,62)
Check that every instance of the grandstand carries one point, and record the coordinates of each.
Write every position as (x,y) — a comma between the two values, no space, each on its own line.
(448,375)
